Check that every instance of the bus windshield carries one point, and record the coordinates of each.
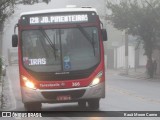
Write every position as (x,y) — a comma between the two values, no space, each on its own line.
(58,50)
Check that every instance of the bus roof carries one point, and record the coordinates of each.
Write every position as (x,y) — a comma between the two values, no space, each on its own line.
(59,10)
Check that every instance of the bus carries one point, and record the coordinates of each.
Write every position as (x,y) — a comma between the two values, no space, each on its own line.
(61,57)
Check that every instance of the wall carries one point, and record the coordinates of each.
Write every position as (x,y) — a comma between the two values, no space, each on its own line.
(119,57)
(120,60)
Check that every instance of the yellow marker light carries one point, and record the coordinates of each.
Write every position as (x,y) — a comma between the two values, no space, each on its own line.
(28,83)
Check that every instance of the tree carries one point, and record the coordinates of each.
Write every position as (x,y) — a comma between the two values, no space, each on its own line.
(141,18)
(7,7)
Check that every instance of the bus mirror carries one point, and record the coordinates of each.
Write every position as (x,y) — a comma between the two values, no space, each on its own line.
(14,40)
(104,35)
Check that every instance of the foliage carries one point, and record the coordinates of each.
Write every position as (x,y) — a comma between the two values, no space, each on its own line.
(0,67)
(7,6)
(31,2)
(141,18)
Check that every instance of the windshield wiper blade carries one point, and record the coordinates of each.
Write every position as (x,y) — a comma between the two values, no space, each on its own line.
(49,41)
(87,36)
(47,55)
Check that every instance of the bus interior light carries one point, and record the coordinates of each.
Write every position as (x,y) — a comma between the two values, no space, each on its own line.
(28,83)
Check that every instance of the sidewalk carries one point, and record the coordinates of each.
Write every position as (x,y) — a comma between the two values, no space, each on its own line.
(1,92)
(1,78)
(139,73)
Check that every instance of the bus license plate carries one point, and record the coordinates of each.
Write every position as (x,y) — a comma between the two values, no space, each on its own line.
(63,98)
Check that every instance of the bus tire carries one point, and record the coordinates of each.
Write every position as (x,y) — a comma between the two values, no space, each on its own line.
(93,104)
(33,106)
(82,104)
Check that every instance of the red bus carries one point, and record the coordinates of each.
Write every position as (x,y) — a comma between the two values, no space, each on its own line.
(61,57)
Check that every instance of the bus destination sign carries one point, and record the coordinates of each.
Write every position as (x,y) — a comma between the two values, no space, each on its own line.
(37,20)
(57,19)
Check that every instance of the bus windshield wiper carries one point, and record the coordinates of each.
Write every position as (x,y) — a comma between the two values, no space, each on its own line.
(87,36)
(49,41)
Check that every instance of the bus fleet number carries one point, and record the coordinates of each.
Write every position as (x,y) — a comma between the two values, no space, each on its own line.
(75,84)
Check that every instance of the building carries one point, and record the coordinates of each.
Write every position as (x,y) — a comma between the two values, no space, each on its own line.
(115,50)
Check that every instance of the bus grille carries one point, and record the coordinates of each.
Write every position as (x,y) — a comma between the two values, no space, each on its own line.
(53,95)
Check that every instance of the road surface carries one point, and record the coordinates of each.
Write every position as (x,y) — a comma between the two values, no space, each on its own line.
(122,94)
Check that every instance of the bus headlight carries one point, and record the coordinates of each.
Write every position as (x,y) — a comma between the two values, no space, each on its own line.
(28,83)
(97,79)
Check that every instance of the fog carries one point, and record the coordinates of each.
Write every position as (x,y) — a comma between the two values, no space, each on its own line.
(12,20)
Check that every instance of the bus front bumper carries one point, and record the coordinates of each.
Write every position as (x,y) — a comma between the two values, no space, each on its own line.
(50,95)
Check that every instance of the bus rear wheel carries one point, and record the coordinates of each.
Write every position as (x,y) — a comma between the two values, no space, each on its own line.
(82,104)
(33,106)
(93,104)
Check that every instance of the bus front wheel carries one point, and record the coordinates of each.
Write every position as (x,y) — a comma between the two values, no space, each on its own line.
(93,104)
(33,106)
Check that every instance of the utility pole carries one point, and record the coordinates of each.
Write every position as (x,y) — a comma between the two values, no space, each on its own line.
(126,51)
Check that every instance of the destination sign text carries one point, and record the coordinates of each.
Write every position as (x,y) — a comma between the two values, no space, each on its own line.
(58,19)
